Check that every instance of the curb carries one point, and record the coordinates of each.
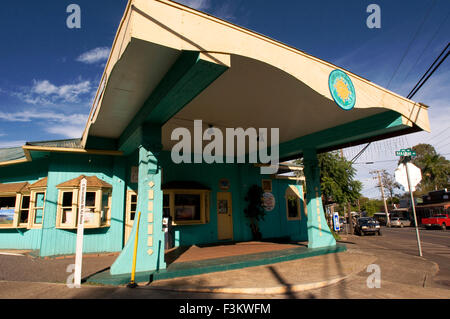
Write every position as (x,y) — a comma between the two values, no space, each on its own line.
(257,291)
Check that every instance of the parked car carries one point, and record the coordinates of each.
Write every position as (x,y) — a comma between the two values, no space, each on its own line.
(441,220)
(367,225)
(399,222)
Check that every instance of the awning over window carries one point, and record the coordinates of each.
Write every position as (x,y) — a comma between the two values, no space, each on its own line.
(13,187)
(92,181)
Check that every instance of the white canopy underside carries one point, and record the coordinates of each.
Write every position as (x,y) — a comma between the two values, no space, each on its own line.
(267,85)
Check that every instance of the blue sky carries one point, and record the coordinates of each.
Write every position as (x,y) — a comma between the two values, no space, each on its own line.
(49,73)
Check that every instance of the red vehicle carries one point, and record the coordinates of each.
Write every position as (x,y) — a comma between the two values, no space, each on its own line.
(441,220)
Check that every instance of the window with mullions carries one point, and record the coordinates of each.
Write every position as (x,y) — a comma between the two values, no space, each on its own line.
(133,206)
(293,203)
(166,205)
(7,211)
(24,213)
(67,209)
(186,207)
(38,209)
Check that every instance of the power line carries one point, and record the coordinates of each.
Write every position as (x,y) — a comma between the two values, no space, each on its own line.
(418,86)
(445,139)
(444,130)
(425,77)
(428,44)
(411,42)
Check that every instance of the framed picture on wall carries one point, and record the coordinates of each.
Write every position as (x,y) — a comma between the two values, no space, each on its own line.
(224,184)
(267,185)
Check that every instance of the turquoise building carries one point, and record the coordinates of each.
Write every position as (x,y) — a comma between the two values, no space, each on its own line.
(170,66)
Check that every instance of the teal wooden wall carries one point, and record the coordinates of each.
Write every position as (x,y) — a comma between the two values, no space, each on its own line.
(241,177)
(25,172)
(63,167)
(60,168)
(116,171)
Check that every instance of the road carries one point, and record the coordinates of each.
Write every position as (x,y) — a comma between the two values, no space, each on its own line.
(435,247)
(403,274)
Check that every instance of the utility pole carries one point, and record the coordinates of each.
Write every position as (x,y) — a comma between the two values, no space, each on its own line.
(388,221)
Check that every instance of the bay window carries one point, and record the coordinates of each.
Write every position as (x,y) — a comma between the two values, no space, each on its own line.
(22,204)
(97,211)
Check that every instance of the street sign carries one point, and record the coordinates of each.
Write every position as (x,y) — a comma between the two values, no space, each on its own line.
(80,233)
(336,222)
(415,176)
(406,152)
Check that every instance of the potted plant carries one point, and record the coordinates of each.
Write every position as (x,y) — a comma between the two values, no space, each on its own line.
(255,209)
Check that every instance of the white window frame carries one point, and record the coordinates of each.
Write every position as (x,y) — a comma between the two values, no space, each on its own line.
(19,211)
(34,208)
(96,221)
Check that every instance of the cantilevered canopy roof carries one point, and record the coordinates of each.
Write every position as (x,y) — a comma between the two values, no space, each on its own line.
(171,65)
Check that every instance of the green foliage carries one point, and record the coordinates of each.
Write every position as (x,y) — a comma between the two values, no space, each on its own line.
(337,179)
(255,210)
(371,206)
(435,168)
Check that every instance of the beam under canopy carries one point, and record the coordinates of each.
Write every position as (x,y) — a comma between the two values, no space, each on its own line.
(189,76)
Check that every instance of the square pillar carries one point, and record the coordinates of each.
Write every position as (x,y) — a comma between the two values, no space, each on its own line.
(319,234)
(150,252)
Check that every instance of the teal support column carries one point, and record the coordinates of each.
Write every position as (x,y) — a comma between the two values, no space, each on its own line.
(150,255)
(319,234)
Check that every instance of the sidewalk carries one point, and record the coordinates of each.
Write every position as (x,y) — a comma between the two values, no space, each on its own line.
(278,278)
(334,275)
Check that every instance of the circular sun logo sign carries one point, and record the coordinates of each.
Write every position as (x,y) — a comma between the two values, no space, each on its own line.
(342,89)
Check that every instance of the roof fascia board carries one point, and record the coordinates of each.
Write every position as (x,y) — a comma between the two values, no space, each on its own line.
(71,150)
(372,126)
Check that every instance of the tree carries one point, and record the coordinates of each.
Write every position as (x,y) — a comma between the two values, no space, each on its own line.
(435,168)
(371,206)
(337,179)
(389,184)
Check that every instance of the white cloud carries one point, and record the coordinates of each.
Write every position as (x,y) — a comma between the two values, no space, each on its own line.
(46,93)
(69,131)
(94,56)
(70,126)
(195,4)
(9,144)
(31,115)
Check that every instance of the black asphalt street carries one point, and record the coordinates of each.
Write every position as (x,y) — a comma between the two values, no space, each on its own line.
(435,247)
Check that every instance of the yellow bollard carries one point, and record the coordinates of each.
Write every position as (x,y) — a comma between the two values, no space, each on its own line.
(132,283)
